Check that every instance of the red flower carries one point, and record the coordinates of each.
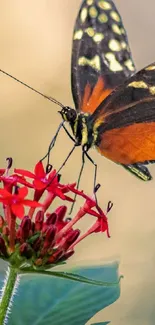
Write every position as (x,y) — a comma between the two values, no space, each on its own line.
(17,201)
(45,181)
(41,178)
(41,237)
(12,180)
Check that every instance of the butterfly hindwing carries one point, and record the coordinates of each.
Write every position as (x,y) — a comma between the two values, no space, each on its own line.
(140,171)
(125,121)
(101,57)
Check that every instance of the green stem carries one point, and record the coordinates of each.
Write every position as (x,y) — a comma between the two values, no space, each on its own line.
(8,290)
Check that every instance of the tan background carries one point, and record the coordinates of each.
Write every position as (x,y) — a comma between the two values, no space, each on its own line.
(35,46)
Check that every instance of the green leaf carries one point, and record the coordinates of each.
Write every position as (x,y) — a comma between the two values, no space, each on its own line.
(73,277)
(46,300)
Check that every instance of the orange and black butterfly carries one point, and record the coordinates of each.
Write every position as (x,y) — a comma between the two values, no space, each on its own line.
(115,106)
(115,110)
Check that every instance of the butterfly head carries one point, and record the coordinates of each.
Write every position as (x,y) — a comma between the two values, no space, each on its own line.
(68,114)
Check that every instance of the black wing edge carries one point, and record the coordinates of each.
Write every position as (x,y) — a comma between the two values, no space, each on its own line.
(140,171)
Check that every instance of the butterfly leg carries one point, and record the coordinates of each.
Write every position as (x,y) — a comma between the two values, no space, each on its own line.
(52,143)
(64,163)
(73,148)
(78,181)
(95,174)
(68,156)
(67,132)
(84,153)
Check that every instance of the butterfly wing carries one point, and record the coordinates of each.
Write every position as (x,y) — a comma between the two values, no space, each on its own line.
(124,124)
(101,57)
(139,170)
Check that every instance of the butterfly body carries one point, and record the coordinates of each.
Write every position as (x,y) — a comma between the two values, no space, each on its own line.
(81,127)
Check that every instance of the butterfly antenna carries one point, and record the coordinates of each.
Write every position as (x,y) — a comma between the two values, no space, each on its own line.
(53,100)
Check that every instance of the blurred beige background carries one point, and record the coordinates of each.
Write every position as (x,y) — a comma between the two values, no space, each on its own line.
(35,46)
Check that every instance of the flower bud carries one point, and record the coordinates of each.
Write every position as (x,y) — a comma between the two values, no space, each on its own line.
(66,256)
(51,219)
(50,234)
(3,249)
(26,250)
(56,256)
(44,228)
(37,244)
(61,211)
(39,219)
(26,227)
(38,262)
(72,236)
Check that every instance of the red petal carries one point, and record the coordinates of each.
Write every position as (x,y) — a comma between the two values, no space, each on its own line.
(9,180)
(5,193)
(22,192)
(39,185)
(52,175)
(104,225)
(2,171)
(100,226)
(32,204)
(90,201)
(59,193)
(4,200)
(24,172)
(67,198)
(65,188)
(18,210)
(39,170)
(93,213)
(73,185)
(74,190)
(23,181)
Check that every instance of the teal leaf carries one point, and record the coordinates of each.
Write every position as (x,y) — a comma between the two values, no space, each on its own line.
(45,300)
(73,277)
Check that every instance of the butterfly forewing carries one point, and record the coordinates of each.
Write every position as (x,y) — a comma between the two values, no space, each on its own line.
(125,121)
(101,57)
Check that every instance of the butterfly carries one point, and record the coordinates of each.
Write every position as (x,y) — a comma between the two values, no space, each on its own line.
(114,106)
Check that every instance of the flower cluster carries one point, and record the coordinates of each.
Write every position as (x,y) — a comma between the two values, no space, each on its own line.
(31,235)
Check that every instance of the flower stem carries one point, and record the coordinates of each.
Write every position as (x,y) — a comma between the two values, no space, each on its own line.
(12,232)
(70,224)
(7,293)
